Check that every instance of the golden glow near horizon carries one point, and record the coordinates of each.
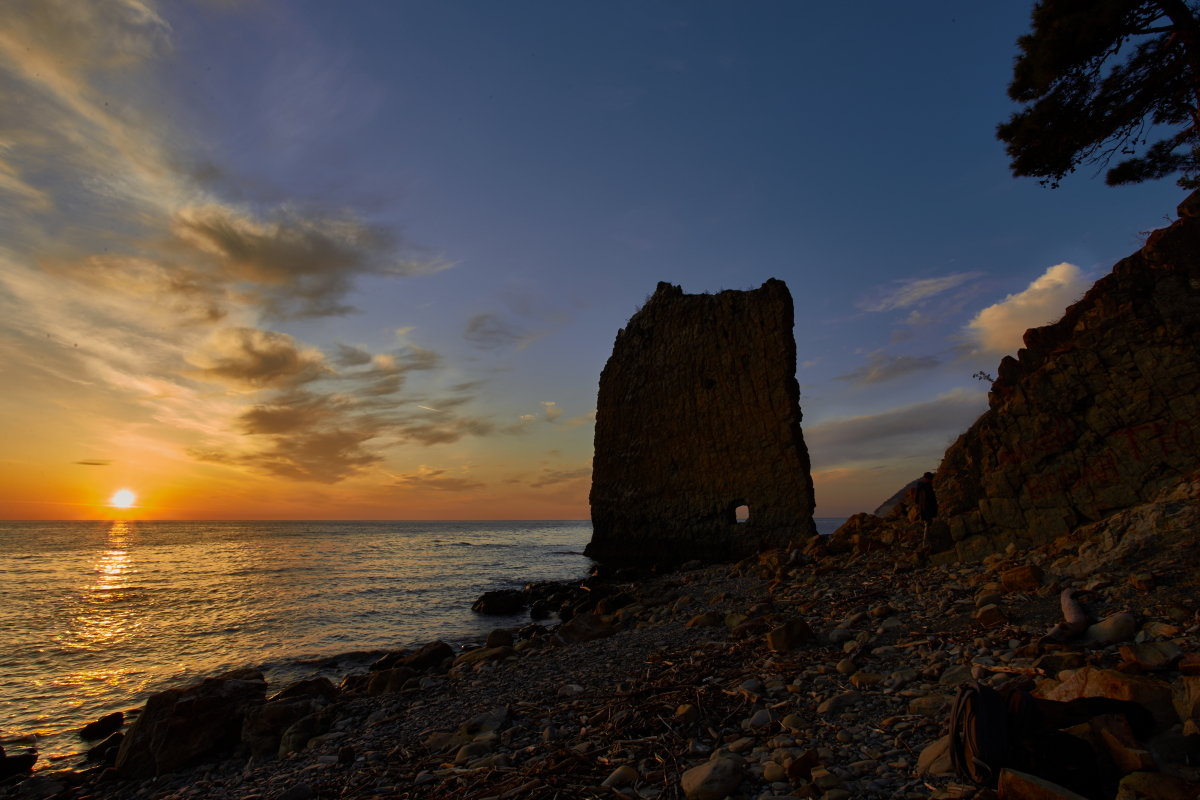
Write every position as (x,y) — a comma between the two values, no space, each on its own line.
(122,498)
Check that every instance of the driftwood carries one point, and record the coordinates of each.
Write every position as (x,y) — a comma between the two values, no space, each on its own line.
(1075,620)
(1010,670)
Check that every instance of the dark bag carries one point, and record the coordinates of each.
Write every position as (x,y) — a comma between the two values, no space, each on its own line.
(990,730)
(980,742)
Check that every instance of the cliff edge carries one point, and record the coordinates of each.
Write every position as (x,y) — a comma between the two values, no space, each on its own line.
(1096,414)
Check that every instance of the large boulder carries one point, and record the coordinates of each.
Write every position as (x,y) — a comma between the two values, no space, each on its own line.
(298,734)
(389,680)
(1016,785)
(18,764)
(317,688)
(427,658)
(1152,694)
(501,603)
(179,727)
(103,727)
(263,726)
(106,751)
(585,628)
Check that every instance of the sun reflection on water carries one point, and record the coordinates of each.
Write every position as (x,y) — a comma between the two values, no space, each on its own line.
(107,613)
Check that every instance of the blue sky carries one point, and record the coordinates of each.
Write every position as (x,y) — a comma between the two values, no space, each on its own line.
(316,259)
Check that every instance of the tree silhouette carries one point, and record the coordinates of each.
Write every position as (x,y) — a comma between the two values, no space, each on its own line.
(1100,79)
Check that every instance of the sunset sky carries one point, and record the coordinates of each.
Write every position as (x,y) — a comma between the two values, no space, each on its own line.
(360,259)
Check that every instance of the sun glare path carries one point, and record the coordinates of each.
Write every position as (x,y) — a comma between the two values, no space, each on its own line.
(122,498)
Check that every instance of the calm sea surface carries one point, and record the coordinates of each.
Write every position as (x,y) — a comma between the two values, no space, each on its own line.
(96,616)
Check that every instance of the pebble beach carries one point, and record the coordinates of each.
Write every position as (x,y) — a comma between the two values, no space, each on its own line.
(820,672)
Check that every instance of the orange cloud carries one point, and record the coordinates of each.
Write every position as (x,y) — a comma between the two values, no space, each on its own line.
(999,328)
(249,358)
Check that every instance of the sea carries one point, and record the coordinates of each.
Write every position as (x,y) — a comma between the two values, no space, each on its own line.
(97,616)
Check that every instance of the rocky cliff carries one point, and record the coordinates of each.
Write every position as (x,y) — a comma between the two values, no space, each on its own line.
(699,413)
(1097,413)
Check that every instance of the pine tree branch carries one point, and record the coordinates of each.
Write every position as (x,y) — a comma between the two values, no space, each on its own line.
(1187,27)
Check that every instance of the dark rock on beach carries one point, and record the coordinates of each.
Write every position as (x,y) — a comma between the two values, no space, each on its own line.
(500,603)
(428,657)
(263,726)
(320,687)
(106,751)
(103,727)
(179,727)
(16,765)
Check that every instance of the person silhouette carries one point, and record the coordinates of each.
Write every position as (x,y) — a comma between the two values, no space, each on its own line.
(926,502)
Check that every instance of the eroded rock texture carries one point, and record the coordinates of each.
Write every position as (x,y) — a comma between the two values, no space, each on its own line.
(698,414)
(1099,411)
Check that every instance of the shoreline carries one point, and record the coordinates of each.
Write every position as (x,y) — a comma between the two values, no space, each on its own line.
(125,612)
(335,667)
(52,728)
(699,668)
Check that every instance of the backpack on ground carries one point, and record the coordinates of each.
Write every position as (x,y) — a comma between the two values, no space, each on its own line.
(980,738)
(991,730)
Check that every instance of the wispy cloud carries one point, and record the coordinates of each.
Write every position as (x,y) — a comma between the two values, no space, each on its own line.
(436,479)
(296,411)
(13,184)
(912,292)
(581,420)
(323,456)
(249,358)
(552,413)
(551,476)
(528,315)
(291,265)
(348,356)
(881,367)
(999,328)
(491,332)
(53,53)
(125,274)
(921,429)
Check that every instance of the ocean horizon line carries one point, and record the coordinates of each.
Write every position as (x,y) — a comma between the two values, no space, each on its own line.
(326,519)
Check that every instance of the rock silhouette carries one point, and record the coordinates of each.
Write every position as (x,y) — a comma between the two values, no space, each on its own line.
(699,413)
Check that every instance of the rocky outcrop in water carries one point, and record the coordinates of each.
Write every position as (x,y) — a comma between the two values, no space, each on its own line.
(699,413)
(1097,413)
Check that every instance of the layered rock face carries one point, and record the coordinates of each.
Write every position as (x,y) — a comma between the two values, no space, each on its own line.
(1098,413)
(699,413)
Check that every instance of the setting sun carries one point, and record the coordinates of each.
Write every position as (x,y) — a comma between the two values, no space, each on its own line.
(123,498)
